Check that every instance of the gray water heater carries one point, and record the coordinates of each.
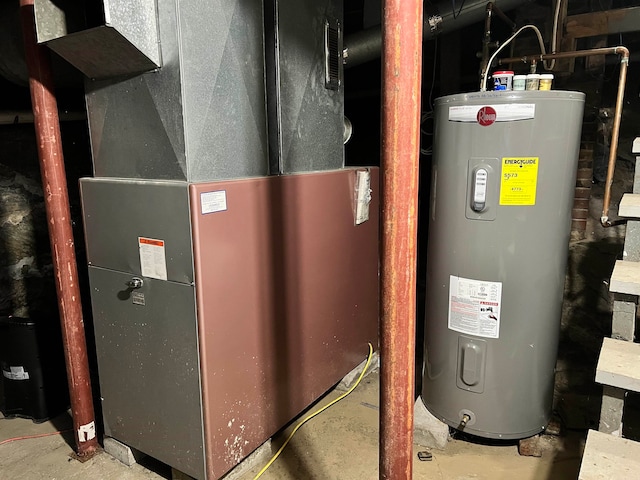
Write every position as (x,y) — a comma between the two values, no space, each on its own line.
(504,168)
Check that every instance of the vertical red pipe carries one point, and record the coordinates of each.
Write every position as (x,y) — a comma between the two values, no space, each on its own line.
(401,77)
(47,125)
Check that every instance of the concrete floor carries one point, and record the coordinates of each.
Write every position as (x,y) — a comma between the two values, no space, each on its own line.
(341,443)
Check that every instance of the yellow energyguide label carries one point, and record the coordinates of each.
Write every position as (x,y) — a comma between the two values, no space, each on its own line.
(519,180)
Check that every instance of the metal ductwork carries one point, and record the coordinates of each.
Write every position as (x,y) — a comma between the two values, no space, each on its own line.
(13,66)
(364,46)
(102,39)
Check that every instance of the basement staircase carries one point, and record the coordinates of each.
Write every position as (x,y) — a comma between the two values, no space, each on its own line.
(607,454)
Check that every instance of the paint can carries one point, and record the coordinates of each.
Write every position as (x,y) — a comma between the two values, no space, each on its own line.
(546,79)
(502,80)
(533,81)
(519,82)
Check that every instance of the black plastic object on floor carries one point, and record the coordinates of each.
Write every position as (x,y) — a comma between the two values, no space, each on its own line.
(33,382)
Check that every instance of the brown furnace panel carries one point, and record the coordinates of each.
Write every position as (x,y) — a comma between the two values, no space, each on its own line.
(287,298)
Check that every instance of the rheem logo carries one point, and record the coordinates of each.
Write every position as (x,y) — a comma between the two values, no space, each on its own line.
(486,116)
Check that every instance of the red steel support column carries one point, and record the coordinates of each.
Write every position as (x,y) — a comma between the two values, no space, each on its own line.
(47,125)
(401,76)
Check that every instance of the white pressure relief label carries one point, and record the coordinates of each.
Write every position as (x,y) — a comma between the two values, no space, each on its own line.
(474,306)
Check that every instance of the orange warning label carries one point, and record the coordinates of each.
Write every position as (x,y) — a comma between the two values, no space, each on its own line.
(151,241)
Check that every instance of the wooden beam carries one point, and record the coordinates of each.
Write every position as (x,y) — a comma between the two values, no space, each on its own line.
(608,22)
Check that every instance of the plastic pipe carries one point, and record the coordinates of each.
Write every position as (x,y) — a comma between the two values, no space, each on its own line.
(47,126)
(617,118)
(401,79)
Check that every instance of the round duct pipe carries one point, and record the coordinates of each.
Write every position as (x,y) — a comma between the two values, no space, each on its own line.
(364,46)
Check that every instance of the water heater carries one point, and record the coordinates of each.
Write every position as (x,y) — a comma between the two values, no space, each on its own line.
(504,169)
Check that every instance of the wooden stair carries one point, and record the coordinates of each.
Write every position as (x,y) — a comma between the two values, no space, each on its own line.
(619,365)
(607,455)
(629,205)
(625,278)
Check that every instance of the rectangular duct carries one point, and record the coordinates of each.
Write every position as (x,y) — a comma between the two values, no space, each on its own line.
(304,86)
(202,116)
(109,39)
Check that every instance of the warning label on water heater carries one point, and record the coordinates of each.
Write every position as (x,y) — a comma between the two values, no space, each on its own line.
(474,306)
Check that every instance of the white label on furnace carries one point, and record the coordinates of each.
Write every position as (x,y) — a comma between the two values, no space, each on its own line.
(211,202)
(153,262)
(506,112)
(16,373)
(363,196)
(474,306)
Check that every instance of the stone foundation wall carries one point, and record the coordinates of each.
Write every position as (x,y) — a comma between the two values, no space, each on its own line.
(27,286)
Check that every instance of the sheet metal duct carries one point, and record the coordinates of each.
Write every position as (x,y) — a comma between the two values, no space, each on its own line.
(305,87)
(364,46)
(104,39)
(200,117)
(13,66)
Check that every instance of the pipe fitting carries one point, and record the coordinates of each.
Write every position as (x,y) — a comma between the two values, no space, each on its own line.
(464,421)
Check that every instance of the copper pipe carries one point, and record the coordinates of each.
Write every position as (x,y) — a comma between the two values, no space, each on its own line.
(577,54)
(401,77)
(47,127)
(617,118)
(615,135)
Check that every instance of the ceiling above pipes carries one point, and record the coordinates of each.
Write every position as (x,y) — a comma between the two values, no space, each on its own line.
(443,17)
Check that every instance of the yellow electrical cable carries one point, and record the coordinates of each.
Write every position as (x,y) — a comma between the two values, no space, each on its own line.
(317,412)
